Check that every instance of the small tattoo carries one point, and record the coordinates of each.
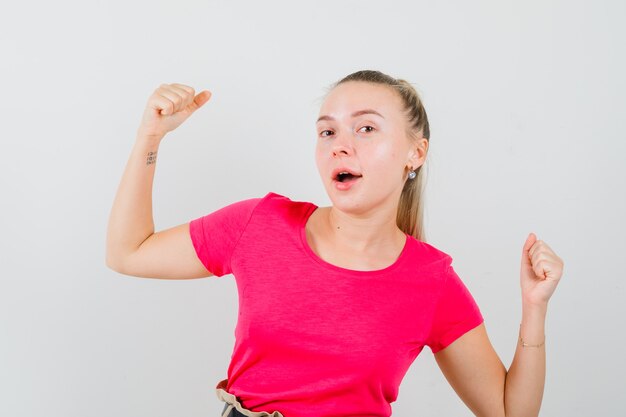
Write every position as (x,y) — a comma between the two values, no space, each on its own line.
(151,158)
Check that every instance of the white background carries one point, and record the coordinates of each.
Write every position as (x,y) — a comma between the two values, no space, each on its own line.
(526,102)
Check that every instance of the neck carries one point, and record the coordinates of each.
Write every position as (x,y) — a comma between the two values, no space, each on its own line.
(365,232)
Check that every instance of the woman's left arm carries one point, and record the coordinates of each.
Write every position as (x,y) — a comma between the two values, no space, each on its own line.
(475,371)
(540,272)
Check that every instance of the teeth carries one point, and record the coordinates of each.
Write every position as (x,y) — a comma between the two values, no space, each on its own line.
(342,175)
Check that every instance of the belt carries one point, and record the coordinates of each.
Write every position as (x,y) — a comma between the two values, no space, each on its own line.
(233,407)
(232,413)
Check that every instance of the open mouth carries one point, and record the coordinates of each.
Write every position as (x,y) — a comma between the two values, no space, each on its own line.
(346,177)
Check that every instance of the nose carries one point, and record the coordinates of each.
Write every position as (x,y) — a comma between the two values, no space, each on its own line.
(342,145)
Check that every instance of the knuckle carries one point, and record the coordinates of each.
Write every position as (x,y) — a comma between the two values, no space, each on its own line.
(184,87)
(181,89)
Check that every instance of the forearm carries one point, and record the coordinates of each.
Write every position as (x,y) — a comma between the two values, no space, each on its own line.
(130,220)
(525,378)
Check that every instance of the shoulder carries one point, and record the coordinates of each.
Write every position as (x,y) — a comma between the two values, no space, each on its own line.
(277,199)
(277,204)
(430,257)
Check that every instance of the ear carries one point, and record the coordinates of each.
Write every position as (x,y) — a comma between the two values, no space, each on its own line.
(417,153)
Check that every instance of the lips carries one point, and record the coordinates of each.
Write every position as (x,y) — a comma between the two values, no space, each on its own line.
(342,174)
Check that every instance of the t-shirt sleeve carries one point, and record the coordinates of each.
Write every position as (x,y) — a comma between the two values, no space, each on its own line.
(215,235)
(456,312)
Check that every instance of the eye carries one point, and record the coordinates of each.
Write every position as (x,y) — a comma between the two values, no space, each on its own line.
(370,127)
(322,133)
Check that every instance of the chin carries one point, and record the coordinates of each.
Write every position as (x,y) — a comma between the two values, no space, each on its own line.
(359,202)
(349,203)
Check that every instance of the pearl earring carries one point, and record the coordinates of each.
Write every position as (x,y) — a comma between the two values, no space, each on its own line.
(412,175)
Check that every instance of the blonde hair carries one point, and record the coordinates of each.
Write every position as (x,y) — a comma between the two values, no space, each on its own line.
(410,216)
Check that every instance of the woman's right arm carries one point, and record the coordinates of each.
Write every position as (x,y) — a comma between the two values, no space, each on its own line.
(132,246)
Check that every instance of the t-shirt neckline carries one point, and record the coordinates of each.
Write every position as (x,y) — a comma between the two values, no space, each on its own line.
(313,256)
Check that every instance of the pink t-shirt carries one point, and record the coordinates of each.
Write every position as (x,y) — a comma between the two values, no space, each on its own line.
(317,340)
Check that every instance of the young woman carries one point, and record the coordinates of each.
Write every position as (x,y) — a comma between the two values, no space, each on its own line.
(335,303)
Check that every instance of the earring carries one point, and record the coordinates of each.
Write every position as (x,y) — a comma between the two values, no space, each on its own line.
(412,175)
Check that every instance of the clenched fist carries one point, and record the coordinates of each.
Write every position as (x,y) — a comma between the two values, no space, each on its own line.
(168,107)
(540,271)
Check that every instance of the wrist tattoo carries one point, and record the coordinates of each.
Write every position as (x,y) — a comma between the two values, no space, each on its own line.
(151,159)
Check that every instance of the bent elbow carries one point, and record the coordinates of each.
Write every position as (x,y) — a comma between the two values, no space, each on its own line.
(113,262)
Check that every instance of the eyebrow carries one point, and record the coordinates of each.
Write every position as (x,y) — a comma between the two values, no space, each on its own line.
(355,114)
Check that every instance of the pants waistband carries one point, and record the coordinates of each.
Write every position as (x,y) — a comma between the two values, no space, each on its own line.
(233,407)
(232,413)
